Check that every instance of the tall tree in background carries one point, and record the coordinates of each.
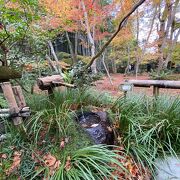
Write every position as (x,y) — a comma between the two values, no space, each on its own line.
(168,30)
(78,15)
(90,33)
(124,42)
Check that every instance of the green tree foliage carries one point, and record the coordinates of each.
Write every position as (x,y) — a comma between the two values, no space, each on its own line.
(176,54)
(16,19)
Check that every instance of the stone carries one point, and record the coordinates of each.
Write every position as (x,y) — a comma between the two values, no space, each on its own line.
(96,125)
(168,168)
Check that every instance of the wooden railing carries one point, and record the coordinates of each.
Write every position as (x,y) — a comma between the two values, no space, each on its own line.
(16,102)
(156,84)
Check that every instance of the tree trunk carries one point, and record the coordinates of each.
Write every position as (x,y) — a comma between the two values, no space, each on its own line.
(114,69)
(171,48)
(55,57)
(83,51)
(122,23)
(53,67)
(71,48)
(5,50)
(137,51)
(90,37)
(137,68)
(105,67)
(3,46)
(148,37)
(161,43)
(128,63)
(76,46)
(166,22)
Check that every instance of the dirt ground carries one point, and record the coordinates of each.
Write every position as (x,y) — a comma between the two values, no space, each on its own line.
(104,85)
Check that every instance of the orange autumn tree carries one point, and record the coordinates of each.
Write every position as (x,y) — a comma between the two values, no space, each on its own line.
(88,17)
(136,34)
(124,43)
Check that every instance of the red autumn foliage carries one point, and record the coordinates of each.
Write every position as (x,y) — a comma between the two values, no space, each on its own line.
(68,15)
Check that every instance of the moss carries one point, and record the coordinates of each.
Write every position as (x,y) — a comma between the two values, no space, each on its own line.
(85,59)
(65,57)
(67,60)
(62,55)
(7,73)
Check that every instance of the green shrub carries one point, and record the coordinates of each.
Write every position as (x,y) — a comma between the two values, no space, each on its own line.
(91,163)
(163,75)
(66,57)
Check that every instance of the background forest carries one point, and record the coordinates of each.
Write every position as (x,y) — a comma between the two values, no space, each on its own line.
(74,31)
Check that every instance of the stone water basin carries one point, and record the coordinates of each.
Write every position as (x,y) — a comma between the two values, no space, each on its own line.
(97,126)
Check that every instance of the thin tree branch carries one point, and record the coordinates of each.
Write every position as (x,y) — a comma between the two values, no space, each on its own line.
(121,25)
(1,42)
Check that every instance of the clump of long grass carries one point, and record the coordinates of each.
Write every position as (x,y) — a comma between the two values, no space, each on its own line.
(53,120)
(56,120)
(92,163)
(150,127)
(84,162)
(79,97)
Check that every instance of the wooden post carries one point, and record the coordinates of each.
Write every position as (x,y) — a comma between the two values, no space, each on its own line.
(9,95)
(19,96)
(51,93)
(155,91)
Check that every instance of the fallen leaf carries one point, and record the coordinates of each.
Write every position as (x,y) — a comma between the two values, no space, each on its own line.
(52,163)
(74,106)
(49,160)
(17,153)
(119,139)
(4,156)
(36,168)
(136,171)
(62,144)
(15,164)
(68,164)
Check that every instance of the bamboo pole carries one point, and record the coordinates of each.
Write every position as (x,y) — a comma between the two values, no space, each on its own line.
(59,83)
(19,96)
(46,82)
(157,83)
(23,110)
(9,95)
